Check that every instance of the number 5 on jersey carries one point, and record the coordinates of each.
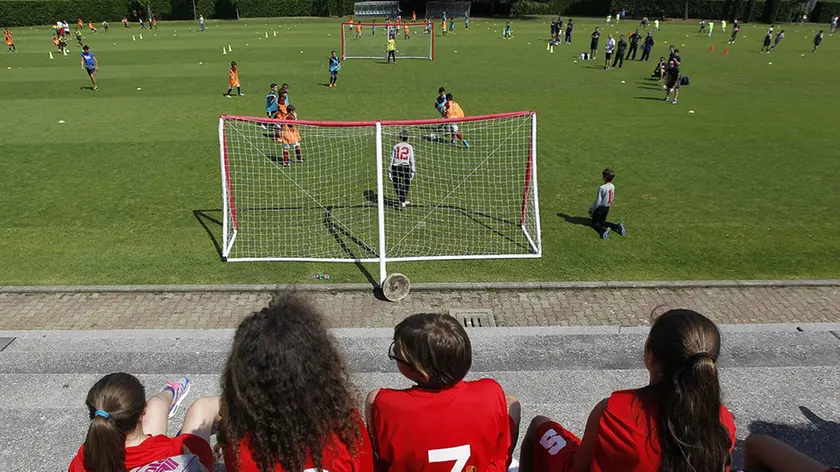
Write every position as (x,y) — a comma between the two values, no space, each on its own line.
(552,442)
(460,455)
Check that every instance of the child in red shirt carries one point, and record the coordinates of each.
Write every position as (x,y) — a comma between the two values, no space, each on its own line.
(287,401)
(443,423)
(126,431)
(677,423)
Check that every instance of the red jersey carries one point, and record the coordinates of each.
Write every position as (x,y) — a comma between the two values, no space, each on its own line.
(155,448)
(623,433)
(419,430)
(336,456)
(625,443)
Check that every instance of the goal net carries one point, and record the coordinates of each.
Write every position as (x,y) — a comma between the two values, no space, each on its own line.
(367,40)
(452,9)
(335,201)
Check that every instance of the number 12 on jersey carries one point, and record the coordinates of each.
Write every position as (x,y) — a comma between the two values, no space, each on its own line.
(460,455)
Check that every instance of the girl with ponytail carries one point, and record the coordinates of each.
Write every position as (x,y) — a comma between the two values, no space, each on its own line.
(676,423)
(127,431)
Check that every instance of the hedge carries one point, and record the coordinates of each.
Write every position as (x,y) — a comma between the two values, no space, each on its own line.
(47,12)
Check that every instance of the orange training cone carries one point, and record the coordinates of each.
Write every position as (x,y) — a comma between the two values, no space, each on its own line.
(711,48)
(726,51)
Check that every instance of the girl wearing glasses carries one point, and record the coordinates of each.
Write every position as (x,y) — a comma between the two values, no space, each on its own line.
(443,422)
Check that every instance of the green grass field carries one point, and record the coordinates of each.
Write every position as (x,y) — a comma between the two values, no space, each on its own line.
(121,193)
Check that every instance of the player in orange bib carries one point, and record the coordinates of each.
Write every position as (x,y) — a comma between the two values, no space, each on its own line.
(81,23)
(453,110)
(91,27)
(9,42)
(350,26)
(233,80)
(443,27)
(405,32)
(358,31)
(291,138)
(413,16)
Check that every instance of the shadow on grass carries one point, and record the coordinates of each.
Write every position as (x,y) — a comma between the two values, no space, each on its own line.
(89,87)
(817,439)
(651,98)
(324,85)
(577,220)
(342,237)
(204,217)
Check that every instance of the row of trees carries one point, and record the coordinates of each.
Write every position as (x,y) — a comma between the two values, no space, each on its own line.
(34,12)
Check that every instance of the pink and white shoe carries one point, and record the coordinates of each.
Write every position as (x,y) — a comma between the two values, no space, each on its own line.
(179,388)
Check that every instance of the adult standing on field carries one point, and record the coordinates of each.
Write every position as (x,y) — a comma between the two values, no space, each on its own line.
(649,42)
(89,64)
(608,49)
(619,57)
(403,168)
(593,42)
(634,44)
(569,28)
(201,22)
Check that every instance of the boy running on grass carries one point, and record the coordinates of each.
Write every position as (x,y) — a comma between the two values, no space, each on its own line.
(233,80)
(91,27)
(78,34)
(9,42)
(453,110)
(335,66)
(779,36)
(406,34)
(106,26)
(601,208)
(443,27)
(358,31)
(767,39)
(89,64)
(507,31)
(817,40)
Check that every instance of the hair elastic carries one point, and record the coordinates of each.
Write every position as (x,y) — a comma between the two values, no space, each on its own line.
(102,413)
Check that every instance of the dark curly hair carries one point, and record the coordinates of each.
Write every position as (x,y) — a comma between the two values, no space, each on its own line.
(285,389)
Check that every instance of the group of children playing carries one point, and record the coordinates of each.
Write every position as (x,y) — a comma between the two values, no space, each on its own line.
(277,106)
(287,404)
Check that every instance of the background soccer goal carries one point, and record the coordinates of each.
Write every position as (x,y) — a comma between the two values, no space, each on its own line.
(337,204)
(372,46)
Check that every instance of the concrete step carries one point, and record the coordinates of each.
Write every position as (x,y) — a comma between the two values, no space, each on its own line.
(780,380)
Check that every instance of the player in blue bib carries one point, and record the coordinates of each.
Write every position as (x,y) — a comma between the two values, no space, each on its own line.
(90,64)
(271,102)
(335,66)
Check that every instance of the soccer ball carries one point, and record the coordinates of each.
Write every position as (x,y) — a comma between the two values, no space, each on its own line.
(433,136)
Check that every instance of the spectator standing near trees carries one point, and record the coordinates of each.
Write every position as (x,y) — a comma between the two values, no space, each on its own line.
(634,44)
(569,28)
(593,42)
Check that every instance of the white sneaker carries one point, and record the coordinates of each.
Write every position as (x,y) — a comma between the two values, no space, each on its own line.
(241,94)
(402,204)
(407,203)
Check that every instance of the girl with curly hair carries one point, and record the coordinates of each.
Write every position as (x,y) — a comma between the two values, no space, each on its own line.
(677,423)
(287,401)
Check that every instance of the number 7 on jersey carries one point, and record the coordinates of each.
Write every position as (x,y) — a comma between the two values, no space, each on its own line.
(460,455)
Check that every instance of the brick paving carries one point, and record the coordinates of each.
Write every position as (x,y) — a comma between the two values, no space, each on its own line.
(358,308)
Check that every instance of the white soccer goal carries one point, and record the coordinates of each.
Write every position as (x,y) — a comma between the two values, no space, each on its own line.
(389,8)
(370,44)
(338,205)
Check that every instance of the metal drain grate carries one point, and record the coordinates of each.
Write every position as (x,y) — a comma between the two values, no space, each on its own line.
(474,318)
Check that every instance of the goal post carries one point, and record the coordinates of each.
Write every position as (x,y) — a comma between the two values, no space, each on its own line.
(369,43)
(337,200)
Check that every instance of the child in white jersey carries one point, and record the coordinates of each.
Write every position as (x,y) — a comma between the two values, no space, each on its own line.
(601,207)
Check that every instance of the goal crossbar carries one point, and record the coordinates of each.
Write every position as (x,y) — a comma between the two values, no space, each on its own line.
(366,40)
(477,202)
